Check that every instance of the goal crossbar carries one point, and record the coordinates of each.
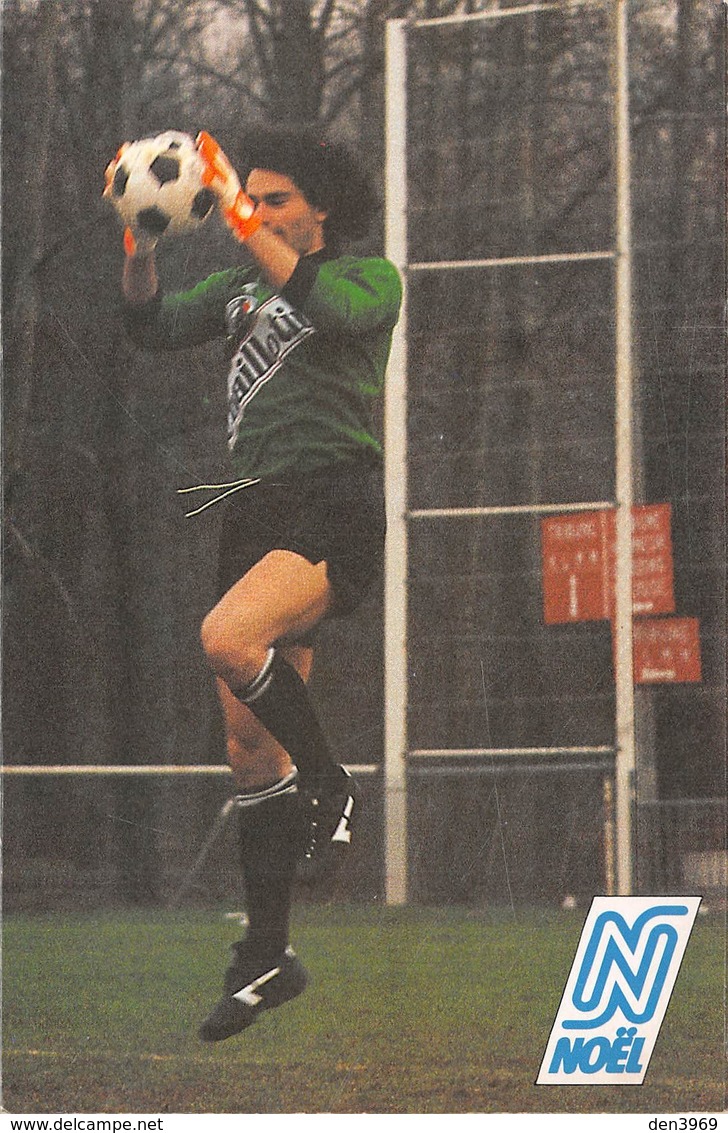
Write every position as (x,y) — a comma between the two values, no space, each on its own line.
(141,769)
(499,13)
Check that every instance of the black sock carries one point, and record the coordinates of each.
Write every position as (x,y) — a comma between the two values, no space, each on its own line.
(269,845)
(279,699)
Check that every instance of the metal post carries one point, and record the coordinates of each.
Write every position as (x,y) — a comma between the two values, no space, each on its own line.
(395,473)
(608,809)
(624,679)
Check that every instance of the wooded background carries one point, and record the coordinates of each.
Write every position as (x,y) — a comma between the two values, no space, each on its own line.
(106,582)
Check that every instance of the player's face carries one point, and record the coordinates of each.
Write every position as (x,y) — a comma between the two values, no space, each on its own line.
(285,211)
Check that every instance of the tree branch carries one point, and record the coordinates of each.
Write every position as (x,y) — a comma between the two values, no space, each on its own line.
(205,68)
(259,42)
(325,17)
(344,65)
(338,104)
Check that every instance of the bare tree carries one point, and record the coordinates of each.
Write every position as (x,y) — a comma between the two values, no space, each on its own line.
(37,157)
(306,61)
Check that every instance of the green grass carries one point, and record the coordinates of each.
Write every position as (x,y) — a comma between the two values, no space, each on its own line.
(408,1011)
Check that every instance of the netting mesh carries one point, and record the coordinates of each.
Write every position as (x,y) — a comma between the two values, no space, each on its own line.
(511,386)
(511,404)
(510,136)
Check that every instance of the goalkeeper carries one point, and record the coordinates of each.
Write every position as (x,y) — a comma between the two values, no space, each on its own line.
(308,332)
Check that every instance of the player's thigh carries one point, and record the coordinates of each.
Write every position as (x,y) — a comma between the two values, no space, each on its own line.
(281,597)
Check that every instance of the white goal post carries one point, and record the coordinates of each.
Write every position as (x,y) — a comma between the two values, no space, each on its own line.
(398,755)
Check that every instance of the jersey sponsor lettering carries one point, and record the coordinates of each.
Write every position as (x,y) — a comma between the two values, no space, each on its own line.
(271,330)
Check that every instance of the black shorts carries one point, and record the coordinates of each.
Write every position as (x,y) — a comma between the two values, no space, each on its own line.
(334,515)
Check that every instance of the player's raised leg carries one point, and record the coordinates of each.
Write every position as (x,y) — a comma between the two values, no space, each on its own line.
(283,597)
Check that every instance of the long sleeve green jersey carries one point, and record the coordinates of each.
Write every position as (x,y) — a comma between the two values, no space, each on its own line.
(305,364)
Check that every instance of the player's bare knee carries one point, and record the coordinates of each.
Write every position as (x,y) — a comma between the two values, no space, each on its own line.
(211,639)
(235,654)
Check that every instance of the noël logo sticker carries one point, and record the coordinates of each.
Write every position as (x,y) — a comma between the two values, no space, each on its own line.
(619,986)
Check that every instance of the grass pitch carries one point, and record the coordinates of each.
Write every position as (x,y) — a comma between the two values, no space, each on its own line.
(419,1011)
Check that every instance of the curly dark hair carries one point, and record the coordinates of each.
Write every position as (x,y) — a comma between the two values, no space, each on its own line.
(325,172)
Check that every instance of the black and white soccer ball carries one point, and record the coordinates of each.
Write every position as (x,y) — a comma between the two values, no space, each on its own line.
(157,186)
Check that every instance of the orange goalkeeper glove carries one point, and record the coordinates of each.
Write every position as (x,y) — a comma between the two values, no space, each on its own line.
(219,175)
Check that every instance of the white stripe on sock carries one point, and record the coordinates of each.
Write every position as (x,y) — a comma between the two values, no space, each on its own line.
(288,785)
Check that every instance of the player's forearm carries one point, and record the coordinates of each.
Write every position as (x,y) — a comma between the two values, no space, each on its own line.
(276,259)
(140,282)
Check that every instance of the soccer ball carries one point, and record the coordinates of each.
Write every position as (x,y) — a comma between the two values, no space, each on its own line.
(156,186)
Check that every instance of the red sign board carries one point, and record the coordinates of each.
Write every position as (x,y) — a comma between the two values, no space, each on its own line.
(575,558)
(578,558)
(652,572)
(666,650)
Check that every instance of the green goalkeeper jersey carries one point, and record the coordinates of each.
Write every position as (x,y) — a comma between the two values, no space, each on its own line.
(306,363)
